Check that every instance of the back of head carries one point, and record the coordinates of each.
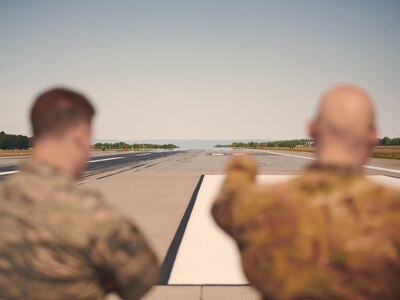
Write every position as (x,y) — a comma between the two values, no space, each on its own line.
(57,110)
(344,128)
(61,124)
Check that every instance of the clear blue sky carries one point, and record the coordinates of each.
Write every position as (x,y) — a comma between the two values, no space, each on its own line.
(199,69)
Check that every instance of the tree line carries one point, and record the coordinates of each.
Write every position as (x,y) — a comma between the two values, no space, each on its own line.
(13,141)
(254,145)
(386,141)
(122,145)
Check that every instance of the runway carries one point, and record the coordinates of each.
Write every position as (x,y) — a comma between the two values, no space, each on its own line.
(96,165)
(168,195)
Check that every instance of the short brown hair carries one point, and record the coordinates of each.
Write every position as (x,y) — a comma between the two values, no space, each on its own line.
(58,109)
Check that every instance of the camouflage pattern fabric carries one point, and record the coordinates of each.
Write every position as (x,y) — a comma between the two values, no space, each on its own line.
(58,241)
(327,234)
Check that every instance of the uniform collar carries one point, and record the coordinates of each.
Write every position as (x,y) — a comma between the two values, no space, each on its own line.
(46,171)
(343,170)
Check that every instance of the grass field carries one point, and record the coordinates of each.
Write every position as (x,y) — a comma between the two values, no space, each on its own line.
(389,152)
(5,153)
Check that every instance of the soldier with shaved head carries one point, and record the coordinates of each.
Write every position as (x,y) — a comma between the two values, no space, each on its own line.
(58,241)
(330,233)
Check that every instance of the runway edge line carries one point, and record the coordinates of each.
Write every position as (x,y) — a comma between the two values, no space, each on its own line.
(169,260)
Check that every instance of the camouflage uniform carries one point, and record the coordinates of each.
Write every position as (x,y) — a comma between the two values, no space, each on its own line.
(328,234)
(58,241)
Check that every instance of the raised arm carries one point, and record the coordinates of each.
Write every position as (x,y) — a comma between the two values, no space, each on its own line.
(236,190)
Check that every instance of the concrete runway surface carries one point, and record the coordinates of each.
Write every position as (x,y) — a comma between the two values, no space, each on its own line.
(168,194)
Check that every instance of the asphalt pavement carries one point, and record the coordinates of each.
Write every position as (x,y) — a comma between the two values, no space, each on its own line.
(97,164)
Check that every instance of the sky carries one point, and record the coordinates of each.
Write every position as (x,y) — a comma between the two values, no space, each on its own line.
(199,69)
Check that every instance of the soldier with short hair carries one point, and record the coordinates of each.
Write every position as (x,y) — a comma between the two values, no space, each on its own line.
(330,233)
(58,241)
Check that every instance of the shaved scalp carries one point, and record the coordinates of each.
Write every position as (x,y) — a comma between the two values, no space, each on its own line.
(345,121)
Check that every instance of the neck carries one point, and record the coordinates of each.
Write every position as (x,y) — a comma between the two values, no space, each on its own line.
(340,157)
(55,155)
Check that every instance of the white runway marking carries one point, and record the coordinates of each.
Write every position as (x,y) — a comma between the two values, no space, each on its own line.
(89,161)
(290,155)
(313,158)
(8,173)
(383,169)
(141,154)
(207,256)
(103,159)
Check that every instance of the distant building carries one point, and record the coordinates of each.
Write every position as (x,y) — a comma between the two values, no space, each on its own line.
(310,143)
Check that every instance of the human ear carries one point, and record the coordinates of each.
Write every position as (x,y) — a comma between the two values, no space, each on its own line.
(373,136)
(312,129)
